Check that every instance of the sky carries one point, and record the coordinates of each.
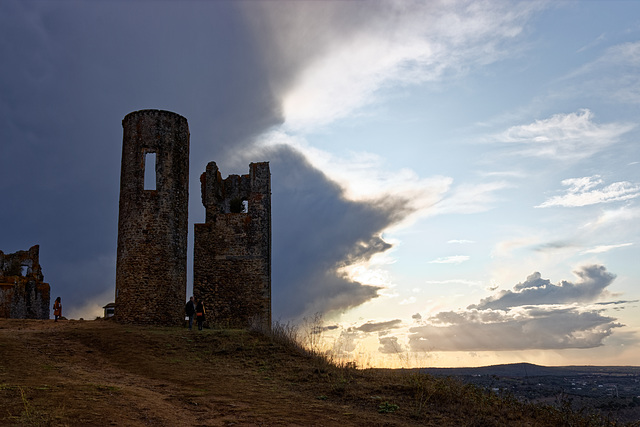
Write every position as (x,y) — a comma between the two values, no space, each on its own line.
(454,183)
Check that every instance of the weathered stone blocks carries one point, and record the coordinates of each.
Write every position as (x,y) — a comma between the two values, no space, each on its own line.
(23,294)
(232,249)
(151,264)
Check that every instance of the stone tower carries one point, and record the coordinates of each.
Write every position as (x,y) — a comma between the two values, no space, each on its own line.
(151,266)
(232,249)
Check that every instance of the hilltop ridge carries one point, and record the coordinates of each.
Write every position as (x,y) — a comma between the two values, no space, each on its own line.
(103,373)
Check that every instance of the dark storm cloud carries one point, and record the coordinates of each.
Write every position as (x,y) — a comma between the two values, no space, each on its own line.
(70,72)
(292,34)
(317,231)
(592,281)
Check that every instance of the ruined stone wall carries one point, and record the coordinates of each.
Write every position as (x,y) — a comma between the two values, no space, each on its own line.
(151,266)
(232,249)
(23,294)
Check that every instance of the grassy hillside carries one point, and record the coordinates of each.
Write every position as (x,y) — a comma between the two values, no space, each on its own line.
(102,373)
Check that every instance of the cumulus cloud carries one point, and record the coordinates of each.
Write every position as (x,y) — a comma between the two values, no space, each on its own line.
(528,328)
(563,137)
(583,192)
(592,280)
(535,315)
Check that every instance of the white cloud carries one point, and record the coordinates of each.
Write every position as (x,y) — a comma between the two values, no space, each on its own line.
(456,259)
(592,280)
(365,177)
(624,213)
(563,137)
(400,42)
(583,192)
(340,60)
(535,315)
(451,281)
(605,248)
(528,328)
(461,241)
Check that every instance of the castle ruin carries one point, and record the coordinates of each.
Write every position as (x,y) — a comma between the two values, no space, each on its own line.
(23,294)
(151,263)
(232,249)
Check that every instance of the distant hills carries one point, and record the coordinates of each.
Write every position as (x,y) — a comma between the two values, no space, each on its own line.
(531,370)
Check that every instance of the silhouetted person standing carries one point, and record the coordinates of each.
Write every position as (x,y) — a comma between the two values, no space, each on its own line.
(190,309)
(200,314)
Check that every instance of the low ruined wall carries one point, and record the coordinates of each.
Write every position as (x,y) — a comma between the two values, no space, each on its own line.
(23,294)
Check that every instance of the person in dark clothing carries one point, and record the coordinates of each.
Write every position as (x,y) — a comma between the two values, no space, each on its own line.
(190,309)
(200,314)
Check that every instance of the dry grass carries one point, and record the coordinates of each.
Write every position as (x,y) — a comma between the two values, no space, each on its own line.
(101,373)
(428,400)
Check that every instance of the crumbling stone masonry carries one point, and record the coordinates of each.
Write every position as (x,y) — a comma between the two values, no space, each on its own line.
(23,294)
(151,265)
(232,249)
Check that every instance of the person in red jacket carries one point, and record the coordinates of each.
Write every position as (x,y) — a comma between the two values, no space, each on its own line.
(57,309)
